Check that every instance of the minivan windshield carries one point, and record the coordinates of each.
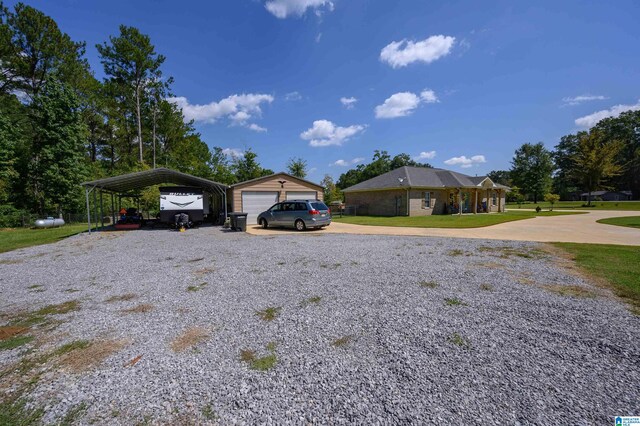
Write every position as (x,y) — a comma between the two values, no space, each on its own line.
(319,205)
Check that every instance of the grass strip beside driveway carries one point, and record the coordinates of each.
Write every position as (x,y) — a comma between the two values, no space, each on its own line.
(629,221)
(446,221)
(15,238)
(619,266)
(581,205)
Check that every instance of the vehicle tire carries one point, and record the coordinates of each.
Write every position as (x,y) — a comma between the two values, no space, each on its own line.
(264,224)
(300,226)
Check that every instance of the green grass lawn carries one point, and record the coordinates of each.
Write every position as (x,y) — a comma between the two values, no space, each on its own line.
(617,265)
(630,221)
(595,205)
(15,238)
(445,221)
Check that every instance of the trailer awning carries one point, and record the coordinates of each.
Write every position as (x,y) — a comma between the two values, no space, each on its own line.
(139,180)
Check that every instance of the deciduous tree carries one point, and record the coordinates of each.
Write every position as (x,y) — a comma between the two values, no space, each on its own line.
(56,166)
(531,170)
(246,167)
(595,160)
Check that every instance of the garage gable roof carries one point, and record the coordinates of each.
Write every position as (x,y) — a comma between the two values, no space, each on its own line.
(262,178)
(139,180)
(421,177)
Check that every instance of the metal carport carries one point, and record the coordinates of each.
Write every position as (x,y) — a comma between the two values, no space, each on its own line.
(121,185)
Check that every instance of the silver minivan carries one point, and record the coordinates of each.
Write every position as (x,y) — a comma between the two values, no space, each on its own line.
(299,214)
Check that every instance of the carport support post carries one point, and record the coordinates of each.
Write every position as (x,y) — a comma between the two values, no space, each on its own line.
(95,208)
(225,206)
(86,192)
(113,210)
(101,210)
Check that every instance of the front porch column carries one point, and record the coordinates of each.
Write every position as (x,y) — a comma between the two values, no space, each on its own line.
(499,200)
(459,202)
(488,201)
(475,204)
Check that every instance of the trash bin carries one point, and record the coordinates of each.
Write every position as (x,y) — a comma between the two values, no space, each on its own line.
(238,221)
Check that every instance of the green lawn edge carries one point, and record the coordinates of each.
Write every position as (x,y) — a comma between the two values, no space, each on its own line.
(17,238)
(465,221)
(628,221)
(578,205)
(617,265)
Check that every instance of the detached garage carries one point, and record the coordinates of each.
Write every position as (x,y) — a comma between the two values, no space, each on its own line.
(257,195)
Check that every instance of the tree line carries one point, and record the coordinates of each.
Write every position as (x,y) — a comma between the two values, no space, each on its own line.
(607,156)
(60,125)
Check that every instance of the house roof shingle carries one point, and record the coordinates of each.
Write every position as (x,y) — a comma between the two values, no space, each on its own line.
(422,177)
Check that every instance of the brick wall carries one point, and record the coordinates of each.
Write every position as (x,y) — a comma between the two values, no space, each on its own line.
(438,202)
(379,203)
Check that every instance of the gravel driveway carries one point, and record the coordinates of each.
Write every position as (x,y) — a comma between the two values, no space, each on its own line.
(352,329)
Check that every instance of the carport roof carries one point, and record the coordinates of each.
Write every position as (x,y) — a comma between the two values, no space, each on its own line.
(139,180)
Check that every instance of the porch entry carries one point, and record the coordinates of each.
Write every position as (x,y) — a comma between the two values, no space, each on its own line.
(465,202)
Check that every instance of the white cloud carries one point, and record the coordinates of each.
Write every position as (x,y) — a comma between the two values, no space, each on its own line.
(398,105)
(293,96)
(429,96)
(577,100)
(463,45)
(347,163)
(240,117)
(237,108)
(425,155)
(284,8)
(325,133)
(404,103)
(593,119)
(465,162)
(402,53)
(318,37)
(256,128)
(233,152)
(348,103)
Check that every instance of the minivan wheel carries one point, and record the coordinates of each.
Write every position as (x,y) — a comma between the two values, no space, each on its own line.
(300,225)
(264,224)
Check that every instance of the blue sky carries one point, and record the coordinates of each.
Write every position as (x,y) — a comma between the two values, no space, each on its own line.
(463,82)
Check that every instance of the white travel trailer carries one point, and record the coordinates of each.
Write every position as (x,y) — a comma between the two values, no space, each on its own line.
(183,199)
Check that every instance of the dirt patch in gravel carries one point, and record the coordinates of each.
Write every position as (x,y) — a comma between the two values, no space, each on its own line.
(121,298)
(569,290)
(9,331)
(93,355)
(140,309)
(189,338)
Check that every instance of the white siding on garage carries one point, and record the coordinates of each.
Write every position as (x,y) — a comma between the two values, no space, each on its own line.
(255,202)
(301,195)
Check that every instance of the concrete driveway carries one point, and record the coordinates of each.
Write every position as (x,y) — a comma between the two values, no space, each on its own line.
(578,228)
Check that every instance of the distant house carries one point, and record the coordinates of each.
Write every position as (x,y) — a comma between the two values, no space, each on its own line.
(607,196)
(421,191)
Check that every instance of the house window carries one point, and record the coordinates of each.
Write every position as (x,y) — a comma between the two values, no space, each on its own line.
(426,200)
(494,198)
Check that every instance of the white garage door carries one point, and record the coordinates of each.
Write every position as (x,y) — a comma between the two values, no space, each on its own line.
(255,202)
(301,195)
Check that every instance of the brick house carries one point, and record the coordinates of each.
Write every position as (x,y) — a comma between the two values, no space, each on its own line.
(421,191)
